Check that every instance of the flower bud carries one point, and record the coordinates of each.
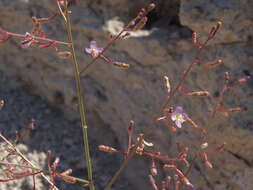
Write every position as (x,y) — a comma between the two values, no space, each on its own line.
(244,79)
(226,76)
(140,24)
(194,38)
(187,182)
(64,54)
(214,63)
(208,164)
(1,104)
(150,7)
(107,148)
(122,65)
(68,179)
(204,145)
(167,83)
(153,171)
(67,172)
(199,93)
(169,166)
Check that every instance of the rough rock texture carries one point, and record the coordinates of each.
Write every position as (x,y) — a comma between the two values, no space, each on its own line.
(53,131)
(236,16)
(114,96)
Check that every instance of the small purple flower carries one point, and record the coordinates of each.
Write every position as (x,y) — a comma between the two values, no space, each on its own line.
(179,117)
(27,42)
(94,51)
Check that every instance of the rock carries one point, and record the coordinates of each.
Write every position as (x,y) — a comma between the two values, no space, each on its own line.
(114,96)
(236,16)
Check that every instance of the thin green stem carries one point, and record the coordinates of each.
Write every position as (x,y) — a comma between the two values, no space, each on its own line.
(80,100)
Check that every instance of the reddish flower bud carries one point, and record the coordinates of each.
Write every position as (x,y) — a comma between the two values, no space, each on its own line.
(140,24)
(187,182)
(107,148)
(67,172)
(68,179)
(208,165)
(150,7)
(238,109)
(244,79)
(214,63)
(169,166)
(214,30)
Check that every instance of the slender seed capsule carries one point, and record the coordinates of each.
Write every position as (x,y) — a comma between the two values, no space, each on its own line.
(69,179)
(107,148)
(235,110)
(167,83)
(122,65)
(64,54)
(1,104)
(67,172)
(214,63)
(226,76)
(194,38)
(199,93)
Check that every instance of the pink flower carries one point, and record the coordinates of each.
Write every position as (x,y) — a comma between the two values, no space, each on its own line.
(27,42)
(94,51)
(179,117)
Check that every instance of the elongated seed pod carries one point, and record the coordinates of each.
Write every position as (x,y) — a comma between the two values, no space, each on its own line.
(1,104)
(64,54)
(167,83)
(107,148)
(214,63)
(122,65)
(235,110)
(194,38)
(199,93)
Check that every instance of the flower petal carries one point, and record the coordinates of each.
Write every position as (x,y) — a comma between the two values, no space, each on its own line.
(185,116)
(88,50)
(93,44)
(179,109)
(178,124)
(100,49)
(173,116)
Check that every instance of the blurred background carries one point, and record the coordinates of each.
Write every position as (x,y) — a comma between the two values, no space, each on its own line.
(36,84)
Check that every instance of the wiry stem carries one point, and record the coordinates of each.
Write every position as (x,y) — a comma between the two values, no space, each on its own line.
(80,100)
(35,37)
(153,121)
